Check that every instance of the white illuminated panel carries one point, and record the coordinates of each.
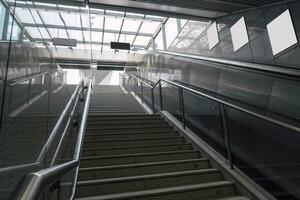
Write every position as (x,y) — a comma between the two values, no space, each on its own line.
(239,34)
(212,34)
(281,32)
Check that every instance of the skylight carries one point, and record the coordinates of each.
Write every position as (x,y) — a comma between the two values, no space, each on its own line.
(212,34)
(98,25)
(281,33)
(239,34)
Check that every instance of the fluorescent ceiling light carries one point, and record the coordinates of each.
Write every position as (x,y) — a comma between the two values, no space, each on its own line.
(281,32)
(239,34)
(212,34)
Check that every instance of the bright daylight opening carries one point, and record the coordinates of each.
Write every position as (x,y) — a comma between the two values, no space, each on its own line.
(212,34)
(239,34)
(281,32)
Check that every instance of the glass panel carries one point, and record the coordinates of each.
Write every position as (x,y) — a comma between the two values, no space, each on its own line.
(159,42)
(149,27)
(170,96)
(142,40)
(266,153)
(16,30)
(281,32)
(51,17)
(171,28)
(38,33)
(55,32)
(96,36)
(113,23)
(239,34)
(2,18)
(131,25)
(74,34)
(71,19)
(110,37)
(203,117)
(126,38)
(96,21)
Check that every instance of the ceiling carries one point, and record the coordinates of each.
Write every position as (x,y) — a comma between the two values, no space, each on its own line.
(194,8)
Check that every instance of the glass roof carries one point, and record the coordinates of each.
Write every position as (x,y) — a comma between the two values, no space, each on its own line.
(43,22)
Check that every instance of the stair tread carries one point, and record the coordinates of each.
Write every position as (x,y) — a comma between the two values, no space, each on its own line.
(133,139)
(139,154)
(148,176)
(134,146)
(176,189)
(142,164)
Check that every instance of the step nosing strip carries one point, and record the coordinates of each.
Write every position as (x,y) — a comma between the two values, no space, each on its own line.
(144,164)
(137,146)
(161,191)
(149,176)
(134,139)
(140,154)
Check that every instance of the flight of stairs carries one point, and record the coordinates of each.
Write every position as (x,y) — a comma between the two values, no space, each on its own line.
(133,155)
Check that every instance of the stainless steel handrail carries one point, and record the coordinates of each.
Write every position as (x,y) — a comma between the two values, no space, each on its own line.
(58,123)
(246,65)
(33,184)
(224,102)
(29,78)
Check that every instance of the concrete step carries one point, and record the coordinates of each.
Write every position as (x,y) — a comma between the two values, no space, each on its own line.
(145,182)
(135,149)
(129,131)
(129,128)
(142,169)
(212,190)
(125,121)
(141,116)
(131,135)
(133,142)
(97,161)
(126,126)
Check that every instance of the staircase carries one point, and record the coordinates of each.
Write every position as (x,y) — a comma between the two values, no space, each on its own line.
(128,154)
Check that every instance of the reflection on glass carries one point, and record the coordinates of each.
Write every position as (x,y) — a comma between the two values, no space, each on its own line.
(239,34)
(281,32)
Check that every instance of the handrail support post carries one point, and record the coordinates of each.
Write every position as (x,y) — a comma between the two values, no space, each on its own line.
(142,92)
(160,97)
(29,91)
(181,104)
(152,99)
(225,129)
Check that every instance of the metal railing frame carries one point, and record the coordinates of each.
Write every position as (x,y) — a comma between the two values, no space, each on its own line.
(221,103)
(34,184)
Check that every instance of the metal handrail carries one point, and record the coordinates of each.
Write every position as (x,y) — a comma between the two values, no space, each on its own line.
(224,102)
(246,65)
(29,78)
(33,184)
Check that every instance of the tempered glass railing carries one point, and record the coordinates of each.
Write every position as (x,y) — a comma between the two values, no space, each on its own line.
(262,147)
(63,149)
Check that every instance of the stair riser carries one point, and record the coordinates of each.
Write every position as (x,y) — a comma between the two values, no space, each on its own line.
(130,136)
(136,150)
(144,184)
(101,144)
(143,170)
(137,159)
